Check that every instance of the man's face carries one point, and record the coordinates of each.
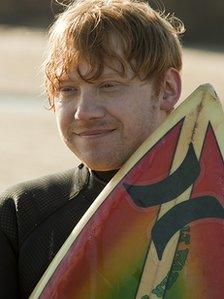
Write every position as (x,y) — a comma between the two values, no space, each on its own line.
(105,121)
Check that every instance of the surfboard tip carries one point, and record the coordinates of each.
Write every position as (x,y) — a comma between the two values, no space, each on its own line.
(208,88)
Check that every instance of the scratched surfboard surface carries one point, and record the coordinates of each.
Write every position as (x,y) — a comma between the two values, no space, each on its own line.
(157,229)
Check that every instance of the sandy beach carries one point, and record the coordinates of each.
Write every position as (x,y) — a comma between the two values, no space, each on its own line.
(30,145)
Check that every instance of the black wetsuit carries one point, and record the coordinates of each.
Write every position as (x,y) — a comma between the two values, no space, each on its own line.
(36,217)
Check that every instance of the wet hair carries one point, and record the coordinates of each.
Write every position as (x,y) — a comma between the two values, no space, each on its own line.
(101,32)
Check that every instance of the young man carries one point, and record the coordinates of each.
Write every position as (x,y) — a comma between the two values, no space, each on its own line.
(112,77)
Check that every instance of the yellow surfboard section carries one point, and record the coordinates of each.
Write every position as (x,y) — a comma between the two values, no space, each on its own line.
(199,109)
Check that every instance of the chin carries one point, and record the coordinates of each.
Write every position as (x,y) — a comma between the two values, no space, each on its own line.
(101,161)
(102,166)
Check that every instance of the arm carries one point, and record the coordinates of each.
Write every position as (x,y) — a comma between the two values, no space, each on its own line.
(9,287)
(8,270)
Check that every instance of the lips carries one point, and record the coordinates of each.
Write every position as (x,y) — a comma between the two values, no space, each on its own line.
(94,132)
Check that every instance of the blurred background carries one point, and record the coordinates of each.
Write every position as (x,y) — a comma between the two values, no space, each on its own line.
(30,145)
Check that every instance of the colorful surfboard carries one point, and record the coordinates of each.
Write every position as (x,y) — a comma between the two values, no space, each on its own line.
(157,229)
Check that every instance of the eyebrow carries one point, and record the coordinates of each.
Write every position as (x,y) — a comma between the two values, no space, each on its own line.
(108,76)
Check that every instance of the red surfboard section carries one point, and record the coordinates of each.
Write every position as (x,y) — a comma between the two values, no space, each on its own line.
(203,240)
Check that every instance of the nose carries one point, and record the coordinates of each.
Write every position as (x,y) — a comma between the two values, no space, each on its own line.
(88,106)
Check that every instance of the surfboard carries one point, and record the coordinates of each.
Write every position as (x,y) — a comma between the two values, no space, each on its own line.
(157,229)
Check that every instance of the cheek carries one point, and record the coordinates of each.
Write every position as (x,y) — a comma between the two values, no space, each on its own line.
(141,120)
(64,117)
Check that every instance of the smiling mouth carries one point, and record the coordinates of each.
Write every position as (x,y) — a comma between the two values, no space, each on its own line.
(95,133)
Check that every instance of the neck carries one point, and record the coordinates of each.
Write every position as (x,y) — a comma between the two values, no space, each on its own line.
(105,176)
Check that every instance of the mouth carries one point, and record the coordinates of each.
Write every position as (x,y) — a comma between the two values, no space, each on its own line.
(95,133)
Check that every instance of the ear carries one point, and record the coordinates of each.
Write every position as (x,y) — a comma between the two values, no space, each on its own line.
(170,90)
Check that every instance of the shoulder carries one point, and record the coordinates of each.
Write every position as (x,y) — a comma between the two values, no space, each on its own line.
(59,186)
(26,205)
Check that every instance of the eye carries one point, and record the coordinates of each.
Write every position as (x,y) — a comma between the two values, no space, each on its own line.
(67,90)
(108,85)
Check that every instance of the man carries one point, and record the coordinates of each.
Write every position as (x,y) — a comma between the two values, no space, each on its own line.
(112,77)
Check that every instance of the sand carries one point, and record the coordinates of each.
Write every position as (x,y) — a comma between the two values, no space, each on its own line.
(30,145)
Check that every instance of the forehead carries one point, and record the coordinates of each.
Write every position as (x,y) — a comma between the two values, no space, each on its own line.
(110,70)
(108,58)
